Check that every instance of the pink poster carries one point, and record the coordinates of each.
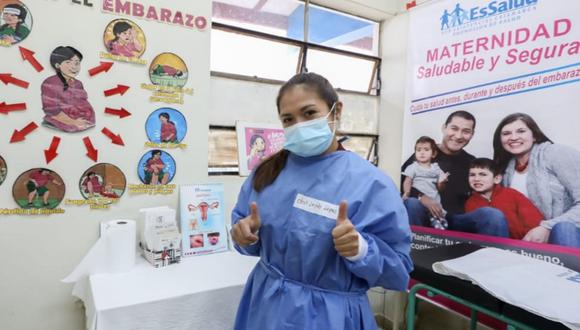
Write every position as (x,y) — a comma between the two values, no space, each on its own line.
(256,142)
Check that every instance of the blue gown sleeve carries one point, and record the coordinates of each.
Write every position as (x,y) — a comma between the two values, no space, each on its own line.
(381,219)
(242,210)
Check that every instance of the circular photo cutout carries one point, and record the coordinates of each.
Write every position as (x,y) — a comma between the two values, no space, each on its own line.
(15,22)
(123,37)
(3,170)
(168,69)
(38,188)
(156,167)
(103,182)
(166,125)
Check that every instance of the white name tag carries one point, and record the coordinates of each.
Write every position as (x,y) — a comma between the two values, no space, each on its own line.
(316,206)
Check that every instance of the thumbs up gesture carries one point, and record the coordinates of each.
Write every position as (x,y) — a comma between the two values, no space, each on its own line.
(244,232)
(345,236)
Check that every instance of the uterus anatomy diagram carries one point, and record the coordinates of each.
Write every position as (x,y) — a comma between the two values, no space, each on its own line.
(203,208)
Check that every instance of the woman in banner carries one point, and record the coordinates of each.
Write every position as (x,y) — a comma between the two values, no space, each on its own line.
(326,224)
(64,99)
(546,173)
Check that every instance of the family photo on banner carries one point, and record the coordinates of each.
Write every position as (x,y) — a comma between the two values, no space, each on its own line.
(488,144)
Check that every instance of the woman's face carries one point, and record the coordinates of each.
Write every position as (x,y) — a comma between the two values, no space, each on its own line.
(125,36)
(259,144)
(163,119)
(70,68)
(517,138)
(299,105)
(10,19)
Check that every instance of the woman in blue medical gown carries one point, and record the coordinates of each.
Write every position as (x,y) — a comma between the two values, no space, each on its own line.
(326,224)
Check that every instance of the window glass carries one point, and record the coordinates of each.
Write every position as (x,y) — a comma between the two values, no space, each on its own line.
(252,56)
(275,17)
(343,71)
(342,31)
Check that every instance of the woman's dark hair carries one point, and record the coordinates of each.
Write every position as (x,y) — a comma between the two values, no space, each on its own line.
(155,152)
(500,155)
(61,54)
(21,16)
(90,173)
(430,141)
(118,28)
(267,172)
(166,116)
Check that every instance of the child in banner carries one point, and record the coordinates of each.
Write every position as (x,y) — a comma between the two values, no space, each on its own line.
(125,42)
(14,29)
(484,179)
(426,176)
(64,99)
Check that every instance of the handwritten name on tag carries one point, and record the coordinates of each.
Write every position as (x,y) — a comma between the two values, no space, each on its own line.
(316,206)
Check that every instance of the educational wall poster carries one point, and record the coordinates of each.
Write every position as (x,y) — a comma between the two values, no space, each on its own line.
(124,41)
(72,98)
(156,167)
(100,186)
(202,219)
(494,59)
(166,128)
(38,188)
(15,22)
(257,141)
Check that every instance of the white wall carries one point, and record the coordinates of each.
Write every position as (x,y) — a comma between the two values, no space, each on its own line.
(393,76)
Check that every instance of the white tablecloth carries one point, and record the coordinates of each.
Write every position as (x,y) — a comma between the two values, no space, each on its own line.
(201,292)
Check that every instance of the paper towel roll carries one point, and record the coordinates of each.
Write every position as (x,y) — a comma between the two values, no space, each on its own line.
(114,251)
(121,243)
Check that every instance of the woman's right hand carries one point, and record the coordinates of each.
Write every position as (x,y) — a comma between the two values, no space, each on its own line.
(244,232)
(432,206)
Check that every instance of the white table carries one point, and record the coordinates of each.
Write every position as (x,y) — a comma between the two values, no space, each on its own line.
(201,292)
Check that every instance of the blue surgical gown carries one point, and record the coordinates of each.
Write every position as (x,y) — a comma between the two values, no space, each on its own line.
(301,282)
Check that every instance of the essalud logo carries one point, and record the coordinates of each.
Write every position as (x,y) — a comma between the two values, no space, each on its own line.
(459,16)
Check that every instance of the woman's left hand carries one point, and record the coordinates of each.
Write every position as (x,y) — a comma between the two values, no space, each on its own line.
(538,235)
(344,234)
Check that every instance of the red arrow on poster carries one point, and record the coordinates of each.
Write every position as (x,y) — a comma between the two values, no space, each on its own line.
(92,153)
(115,138)
(28,55)
(18,136)
(122,113)
(120,89)
(51,153)
(103,67)
(7,78)
(6,108)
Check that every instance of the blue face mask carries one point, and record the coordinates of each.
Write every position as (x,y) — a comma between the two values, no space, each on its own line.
(310,138)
